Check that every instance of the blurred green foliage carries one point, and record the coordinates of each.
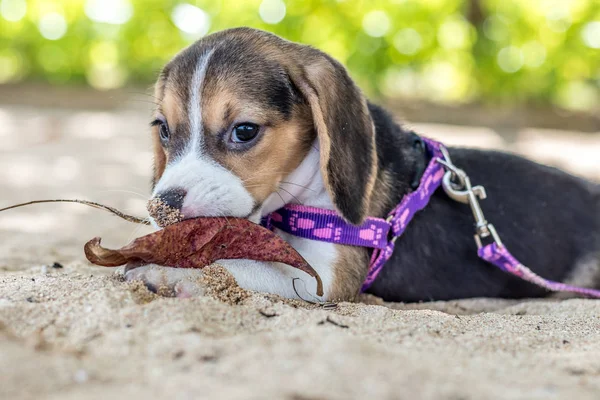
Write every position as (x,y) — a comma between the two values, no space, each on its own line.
(506,51)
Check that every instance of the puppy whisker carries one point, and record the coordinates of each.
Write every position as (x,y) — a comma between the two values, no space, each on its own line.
(296,184)
(144,94)
(259,175)
(145,101)
(256,185)
(135,232)
(283,203)
(145,197)
(295,198)
(221,214)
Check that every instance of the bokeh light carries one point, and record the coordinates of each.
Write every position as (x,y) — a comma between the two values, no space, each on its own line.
(408,41)
(13,10)
(376,23)
(591,34)
(454,33)
(191,19)
(109,11)
(272,11)
(52,26)
(534,54)
(510,59)
(10,65)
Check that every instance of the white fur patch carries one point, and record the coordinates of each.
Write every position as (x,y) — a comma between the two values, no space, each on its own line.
(304,185)
(195,106)
(212,190)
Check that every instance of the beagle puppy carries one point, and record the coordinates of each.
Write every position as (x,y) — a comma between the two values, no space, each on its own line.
(247,122)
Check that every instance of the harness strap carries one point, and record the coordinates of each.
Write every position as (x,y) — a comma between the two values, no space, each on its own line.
(404,212)
(327,226)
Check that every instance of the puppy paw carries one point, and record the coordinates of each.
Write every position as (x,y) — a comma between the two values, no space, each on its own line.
(166,281)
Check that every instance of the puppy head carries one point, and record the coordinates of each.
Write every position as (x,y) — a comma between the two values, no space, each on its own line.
(238,112)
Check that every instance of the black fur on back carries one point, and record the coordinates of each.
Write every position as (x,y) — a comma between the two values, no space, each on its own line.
(549,220)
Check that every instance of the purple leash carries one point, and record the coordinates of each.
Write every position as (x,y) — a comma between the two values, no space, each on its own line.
(495,252)
(381,234)
(501,258)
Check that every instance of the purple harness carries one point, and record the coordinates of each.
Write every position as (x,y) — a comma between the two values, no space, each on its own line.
(381,234)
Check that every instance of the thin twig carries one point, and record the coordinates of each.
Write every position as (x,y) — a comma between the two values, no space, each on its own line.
(267,314)
(118,213)
(333,322)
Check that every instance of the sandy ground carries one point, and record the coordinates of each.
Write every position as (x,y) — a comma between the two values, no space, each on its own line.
(80,332)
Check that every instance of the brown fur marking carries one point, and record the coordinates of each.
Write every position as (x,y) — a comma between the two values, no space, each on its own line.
(350,270)
(279,151)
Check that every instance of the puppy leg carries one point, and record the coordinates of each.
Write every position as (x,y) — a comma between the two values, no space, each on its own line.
(258,276)
(179,282)
(274,278)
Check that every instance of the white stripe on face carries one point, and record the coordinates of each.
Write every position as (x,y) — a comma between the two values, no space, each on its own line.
(195,106)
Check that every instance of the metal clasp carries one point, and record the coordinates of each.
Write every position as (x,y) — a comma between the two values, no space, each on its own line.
(457,185)
(389,220)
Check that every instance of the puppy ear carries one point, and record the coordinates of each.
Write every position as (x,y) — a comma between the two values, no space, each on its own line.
(345,131)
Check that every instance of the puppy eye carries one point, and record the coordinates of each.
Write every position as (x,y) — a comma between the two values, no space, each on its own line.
(164,133)
(163,129)
(244,132)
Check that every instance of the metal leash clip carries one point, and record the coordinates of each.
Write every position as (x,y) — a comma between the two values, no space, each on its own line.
(391,237)
(457,185)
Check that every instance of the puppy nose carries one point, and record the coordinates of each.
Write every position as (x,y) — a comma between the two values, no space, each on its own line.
(173,197)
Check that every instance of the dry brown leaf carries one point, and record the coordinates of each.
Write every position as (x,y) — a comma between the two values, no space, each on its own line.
(196,243)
